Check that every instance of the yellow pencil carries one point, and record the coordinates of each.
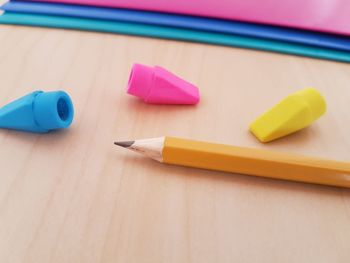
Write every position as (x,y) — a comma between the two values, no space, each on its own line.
(241,160)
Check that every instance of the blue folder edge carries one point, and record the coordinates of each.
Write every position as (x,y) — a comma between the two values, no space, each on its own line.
(185,22)
(172,33)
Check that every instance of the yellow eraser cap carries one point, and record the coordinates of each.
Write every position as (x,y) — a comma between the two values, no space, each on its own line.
(295,112)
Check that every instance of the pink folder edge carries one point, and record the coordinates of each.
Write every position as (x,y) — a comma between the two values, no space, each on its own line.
(325,16)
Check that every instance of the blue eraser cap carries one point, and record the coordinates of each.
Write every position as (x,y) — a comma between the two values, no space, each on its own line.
(38,112)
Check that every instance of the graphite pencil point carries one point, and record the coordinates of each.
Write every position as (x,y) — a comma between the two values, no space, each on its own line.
(125,144)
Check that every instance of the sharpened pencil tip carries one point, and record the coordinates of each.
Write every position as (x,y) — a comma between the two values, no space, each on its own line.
(125,144)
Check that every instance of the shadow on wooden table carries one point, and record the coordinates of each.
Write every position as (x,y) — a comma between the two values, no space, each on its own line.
(51,140)
(137,105)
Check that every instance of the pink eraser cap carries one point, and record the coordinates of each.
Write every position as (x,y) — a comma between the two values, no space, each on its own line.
(159,86)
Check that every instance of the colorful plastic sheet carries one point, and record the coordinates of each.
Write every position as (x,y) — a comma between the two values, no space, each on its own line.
(181,21)
(172,33)
(319,15)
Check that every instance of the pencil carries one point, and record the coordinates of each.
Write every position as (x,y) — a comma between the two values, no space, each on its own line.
(249,161)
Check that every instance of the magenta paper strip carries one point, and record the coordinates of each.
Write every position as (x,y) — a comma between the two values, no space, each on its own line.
(319,15)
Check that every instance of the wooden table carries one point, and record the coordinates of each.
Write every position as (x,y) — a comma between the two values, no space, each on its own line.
(72,196)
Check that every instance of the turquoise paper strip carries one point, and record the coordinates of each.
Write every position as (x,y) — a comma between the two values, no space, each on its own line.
(172,33)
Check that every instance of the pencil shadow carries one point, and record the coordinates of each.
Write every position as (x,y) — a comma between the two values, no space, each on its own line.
(235,180)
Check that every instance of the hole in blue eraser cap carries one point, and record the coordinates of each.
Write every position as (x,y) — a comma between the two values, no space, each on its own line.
(62,109)
(53,110)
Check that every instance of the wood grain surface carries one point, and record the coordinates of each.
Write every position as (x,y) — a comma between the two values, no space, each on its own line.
(72,196)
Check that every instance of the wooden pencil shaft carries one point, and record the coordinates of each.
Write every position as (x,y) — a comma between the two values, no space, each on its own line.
(255,162)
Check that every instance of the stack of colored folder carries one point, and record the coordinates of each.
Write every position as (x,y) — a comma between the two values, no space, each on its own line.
(313,28)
